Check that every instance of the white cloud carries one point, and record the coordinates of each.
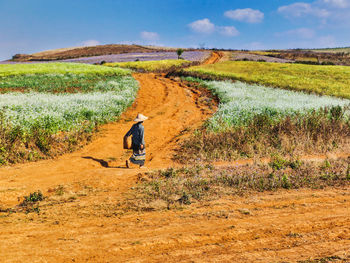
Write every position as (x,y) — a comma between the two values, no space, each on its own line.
(338,3)
(202,26)
(90,42)
(229,31)
(303,9)
(305,33)
(327,41)
(149,36)
(245,15)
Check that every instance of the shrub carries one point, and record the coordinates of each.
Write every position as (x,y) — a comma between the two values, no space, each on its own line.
(179,52)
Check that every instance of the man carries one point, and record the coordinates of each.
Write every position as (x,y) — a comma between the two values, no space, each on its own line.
(138,142)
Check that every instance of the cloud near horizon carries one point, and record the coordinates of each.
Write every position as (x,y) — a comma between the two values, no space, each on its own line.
(229,31)
(304,33)
(247,15)
(301,9)
(149,36)
(91,42)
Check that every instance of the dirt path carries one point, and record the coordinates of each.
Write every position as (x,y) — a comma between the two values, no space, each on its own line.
(84,222)
(172,111)
(214,58)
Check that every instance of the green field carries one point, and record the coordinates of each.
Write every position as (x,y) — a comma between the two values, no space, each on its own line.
(58,68)
(324,80)
(57,105)
(151,66)
(330,50)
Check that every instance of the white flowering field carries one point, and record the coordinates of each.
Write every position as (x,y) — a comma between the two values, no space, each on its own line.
(62,97)
(239,102)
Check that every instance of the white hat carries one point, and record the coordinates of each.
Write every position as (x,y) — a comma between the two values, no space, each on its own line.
(140,117)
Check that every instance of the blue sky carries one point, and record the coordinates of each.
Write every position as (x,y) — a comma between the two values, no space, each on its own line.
(28,26)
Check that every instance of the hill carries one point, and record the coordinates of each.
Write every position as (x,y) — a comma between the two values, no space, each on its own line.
(77,52)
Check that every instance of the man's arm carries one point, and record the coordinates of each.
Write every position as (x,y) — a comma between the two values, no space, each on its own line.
(129,132)
(142,134)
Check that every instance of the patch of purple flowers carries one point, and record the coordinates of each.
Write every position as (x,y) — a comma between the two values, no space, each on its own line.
(187,55)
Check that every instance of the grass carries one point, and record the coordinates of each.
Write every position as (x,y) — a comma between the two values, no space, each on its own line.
(29,204)
(324,80)
(45,114)
(312,133)
(172,188)
(152,66)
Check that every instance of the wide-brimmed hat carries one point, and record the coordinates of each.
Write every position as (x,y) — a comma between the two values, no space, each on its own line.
(140,117)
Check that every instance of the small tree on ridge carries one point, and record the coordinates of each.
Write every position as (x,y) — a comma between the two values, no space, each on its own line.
(179,53)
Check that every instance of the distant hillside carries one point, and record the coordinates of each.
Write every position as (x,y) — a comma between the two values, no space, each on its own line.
(327,56)
(331,50)
(77,52)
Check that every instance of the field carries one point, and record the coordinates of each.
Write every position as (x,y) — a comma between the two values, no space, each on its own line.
(153,55)
(257,56)
(152,66)
(324,80)
(315,57)
(332,50)
(241,102)
(236,171)
(254,121)
(9,70)
(46,106)
(173,188)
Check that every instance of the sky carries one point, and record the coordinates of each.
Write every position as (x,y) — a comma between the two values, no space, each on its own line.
(28,26)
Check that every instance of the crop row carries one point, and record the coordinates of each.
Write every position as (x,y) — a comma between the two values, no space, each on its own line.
(60,83)
(156,65)
(254,121)
(10,70)
(128,57)
(63,112)
(240,102)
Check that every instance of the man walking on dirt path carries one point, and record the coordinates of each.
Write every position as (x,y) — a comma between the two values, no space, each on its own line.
(138,142)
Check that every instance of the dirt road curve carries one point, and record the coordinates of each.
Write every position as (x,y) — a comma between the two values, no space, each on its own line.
(84,223)
(214,58)
(171,110)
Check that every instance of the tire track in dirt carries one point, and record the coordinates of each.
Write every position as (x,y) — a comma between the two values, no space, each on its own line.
(283,226)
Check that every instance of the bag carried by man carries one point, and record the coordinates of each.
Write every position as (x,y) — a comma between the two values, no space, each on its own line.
(127,142)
